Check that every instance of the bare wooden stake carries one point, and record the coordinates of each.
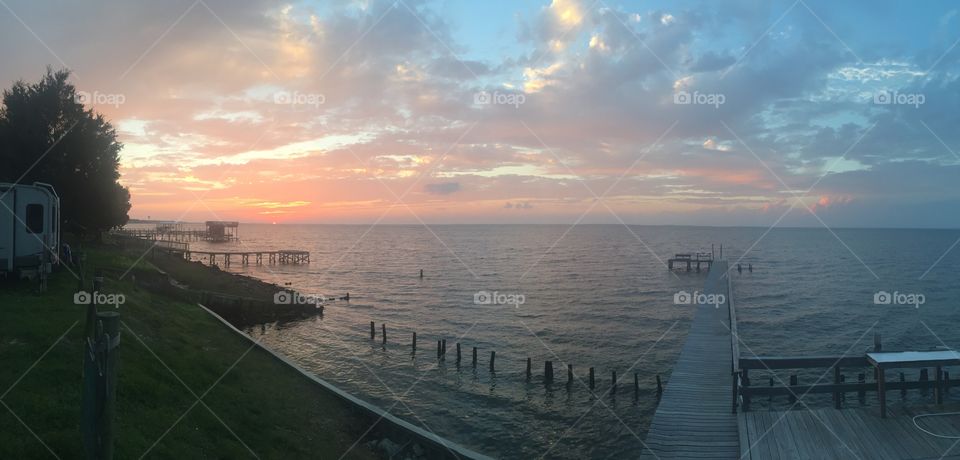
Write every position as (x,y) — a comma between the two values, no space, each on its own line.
(528,368)
(659,386)
(493,356)
(414,341)
(613,382)
(384,328)
(591,379)
(474,356)
(569,374)
(548,372)
(458,352)
(373,331)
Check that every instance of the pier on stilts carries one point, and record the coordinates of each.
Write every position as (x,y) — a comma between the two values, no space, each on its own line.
(705,410)
(226,258)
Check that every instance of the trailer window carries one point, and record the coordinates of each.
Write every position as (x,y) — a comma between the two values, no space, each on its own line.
(35,218)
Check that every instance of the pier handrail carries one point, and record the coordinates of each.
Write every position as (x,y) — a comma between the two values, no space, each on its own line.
(734,343)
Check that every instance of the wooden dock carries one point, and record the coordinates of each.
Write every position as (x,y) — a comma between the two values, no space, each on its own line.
(851,433)
(705,410)
(694,418)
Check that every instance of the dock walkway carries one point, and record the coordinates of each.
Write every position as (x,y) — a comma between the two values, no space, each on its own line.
(694,418)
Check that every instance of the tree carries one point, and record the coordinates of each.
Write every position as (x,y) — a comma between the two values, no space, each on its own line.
(47,135)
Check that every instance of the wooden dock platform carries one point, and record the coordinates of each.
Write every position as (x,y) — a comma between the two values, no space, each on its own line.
(694,418)
(850,433)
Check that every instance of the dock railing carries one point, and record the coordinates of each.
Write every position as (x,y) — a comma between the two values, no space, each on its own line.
(734,344)
(794,390)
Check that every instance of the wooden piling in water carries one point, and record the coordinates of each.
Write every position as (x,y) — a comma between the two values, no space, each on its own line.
(384,334)
(474,356)
(613,382)
(373,331)
(569,374)
(591,379)
(636,384)
(414,341)
(458,352)
(493,356)
(443,349)
(528,368)
(438,349)
(548,372)
(659,386)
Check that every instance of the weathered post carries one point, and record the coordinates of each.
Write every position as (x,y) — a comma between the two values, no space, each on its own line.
(924,377)
(591,379)
(100,385)
(613,382)
(659,386)
(458,352)
(548,372)
(443,349)
(414,341)
(861,394)
(793,383)
(528,368)
(438,349)
(384,327)
(373,331)
(569,374)
(836,381)
(493,356)
(474,356)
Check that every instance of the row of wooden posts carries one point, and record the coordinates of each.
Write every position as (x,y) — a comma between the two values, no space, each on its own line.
(547,365)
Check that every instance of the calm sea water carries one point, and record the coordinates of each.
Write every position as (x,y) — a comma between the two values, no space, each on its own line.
(594,296)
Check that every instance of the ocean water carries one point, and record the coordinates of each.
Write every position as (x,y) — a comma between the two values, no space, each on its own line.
(593,296)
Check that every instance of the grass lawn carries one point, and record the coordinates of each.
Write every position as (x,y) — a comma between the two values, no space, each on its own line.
(251,403)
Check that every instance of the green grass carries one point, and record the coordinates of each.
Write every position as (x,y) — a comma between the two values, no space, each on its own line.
(271,408)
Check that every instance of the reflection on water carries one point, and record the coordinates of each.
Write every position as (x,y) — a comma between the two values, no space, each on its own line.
(593,297)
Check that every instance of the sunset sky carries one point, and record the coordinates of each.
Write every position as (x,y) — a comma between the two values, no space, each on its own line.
(647,112)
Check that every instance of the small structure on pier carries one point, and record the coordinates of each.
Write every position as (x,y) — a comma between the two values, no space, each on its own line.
(691,260)
(222,231)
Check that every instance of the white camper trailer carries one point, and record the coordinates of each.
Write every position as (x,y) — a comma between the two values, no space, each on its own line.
(29,227)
